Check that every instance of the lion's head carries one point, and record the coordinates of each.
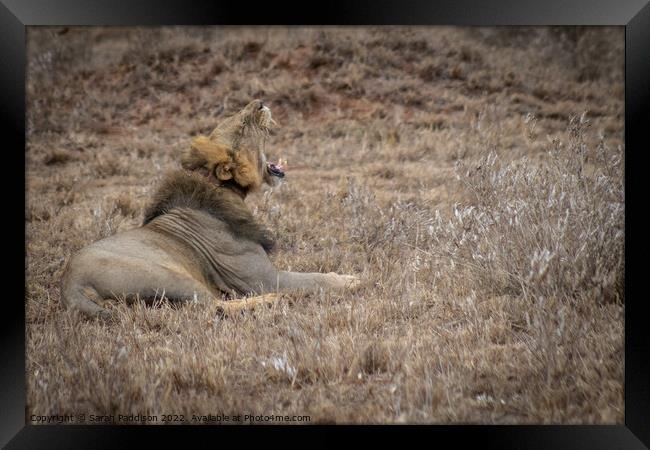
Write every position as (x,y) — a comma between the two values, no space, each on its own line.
(234,151)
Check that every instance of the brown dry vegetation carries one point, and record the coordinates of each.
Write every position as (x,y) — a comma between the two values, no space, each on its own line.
(452,169)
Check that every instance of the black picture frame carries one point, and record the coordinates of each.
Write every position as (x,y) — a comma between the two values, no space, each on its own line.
(634,15)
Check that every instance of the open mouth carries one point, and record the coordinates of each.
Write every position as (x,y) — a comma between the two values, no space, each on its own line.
(275,169)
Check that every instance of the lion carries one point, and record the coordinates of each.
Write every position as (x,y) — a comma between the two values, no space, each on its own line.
(198,240)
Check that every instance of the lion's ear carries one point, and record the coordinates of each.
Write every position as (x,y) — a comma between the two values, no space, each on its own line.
(223,171)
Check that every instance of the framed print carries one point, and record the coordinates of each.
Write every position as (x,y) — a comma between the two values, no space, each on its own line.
(376,214)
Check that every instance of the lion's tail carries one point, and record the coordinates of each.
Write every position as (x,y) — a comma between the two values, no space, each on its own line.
(74,295)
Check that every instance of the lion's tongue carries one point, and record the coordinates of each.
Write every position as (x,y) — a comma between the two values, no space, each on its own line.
(276,170)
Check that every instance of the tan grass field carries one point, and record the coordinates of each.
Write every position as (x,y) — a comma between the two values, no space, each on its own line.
(473,179)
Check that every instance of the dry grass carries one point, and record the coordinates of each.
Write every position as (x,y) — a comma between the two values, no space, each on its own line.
(454,170)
